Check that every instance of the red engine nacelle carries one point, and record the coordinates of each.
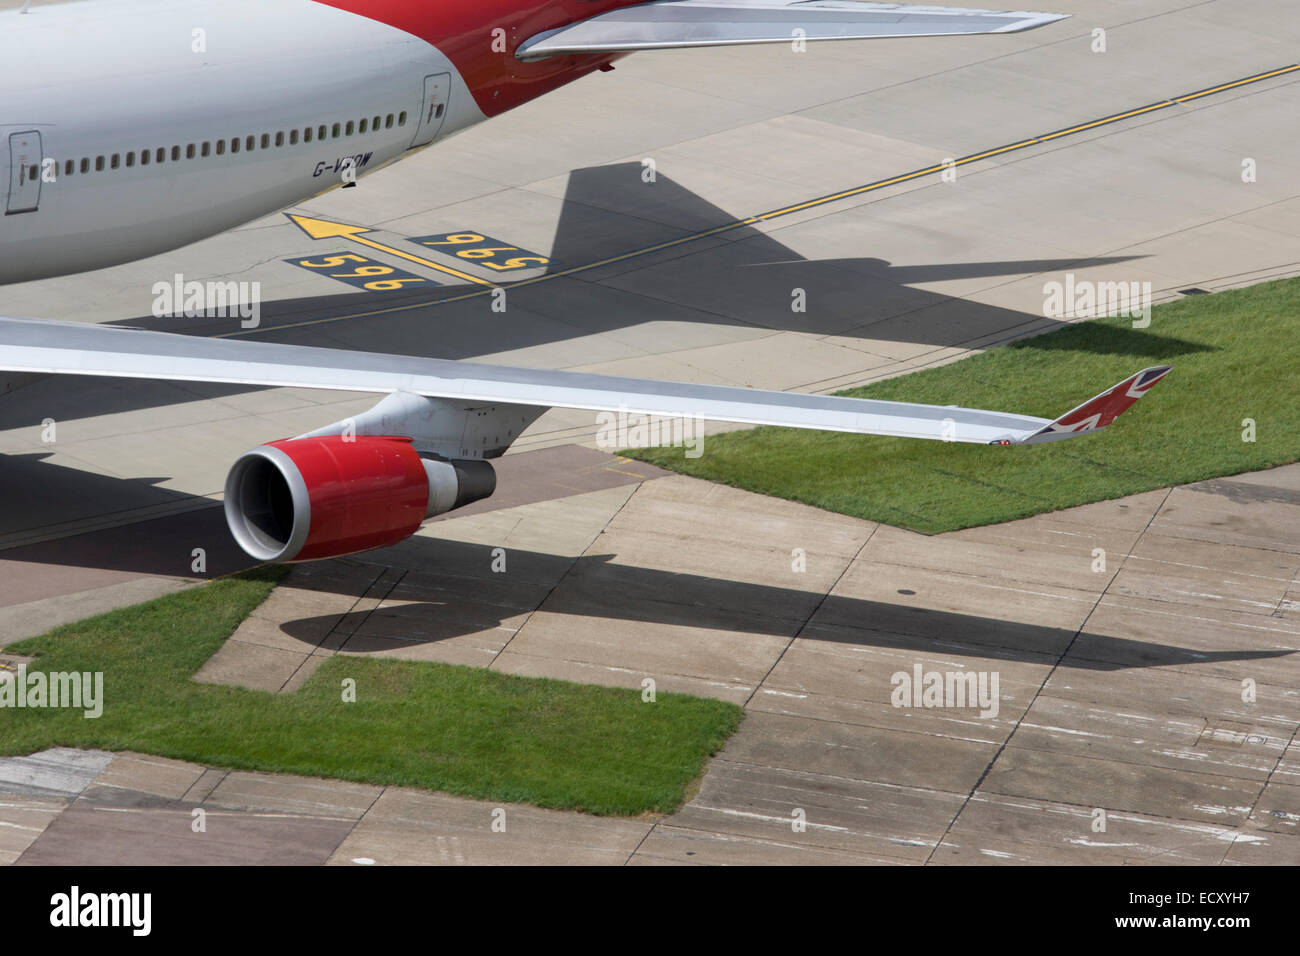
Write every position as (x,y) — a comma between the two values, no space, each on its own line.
(310,498)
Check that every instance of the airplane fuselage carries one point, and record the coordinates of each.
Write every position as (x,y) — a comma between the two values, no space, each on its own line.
(131,127)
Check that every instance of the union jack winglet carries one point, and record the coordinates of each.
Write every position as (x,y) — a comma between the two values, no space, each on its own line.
(1096,413)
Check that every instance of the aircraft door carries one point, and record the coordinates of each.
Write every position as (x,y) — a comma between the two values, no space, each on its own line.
(24,172)
(437,89)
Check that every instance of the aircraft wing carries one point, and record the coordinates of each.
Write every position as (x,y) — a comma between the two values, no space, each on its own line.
(697,23)
(72,348)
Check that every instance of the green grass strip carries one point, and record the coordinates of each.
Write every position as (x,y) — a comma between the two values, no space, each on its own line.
(1237,357)
(462,730)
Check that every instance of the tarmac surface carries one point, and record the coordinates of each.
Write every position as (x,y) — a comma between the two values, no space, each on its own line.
(1121,691)
(1122,733)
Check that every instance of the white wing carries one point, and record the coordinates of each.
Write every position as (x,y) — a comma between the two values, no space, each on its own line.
(71,348)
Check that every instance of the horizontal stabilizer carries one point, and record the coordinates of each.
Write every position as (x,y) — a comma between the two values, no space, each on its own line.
(698,23)
(72,348)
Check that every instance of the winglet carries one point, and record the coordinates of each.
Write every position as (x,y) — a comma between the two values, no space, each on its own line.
(1096,413)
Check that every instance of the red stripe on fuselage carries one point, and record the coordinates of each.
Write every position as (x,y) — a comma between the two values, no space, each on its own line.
(464,31)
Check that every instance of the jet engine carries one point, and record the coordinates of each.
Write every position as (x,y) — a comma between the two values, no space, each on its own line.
(309,498)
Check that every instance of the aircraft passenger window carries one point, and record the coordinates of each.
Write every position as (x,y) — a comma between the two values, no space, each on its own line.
(306,135)
(250,143)
(130,158)
(85,165)
(293,137)
(388,123)
(176,153)
(322,132)
(336,130)
(116,161)
(401,118)
(69,166)
(266,140)
(351,127)
(279,138)
(361,127)
(221,147)
(33,173)
(99,164)
(203,151)
(161,155)
(144,158)
(375,125)
(234,145)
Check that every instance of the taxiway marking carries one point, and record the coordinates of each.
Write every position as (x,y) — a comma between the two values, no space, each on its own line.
(326,229)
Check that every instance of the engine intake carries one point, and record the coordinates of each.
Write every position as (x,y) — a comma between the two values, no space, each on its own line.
(305,499)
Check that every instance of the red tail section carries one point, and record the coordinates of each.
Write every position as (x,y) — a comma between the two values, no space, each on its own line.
(480,38)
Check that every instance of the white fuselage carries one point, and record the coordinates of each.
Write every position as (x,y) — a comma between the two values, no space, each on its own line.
(136,117)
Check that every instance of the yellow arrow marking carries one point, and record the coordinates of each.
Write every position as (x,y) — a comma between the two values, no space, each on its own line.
(324,229)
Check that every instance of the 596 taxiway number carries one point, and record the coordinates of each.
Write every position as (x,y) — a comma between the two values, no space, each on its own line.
(362,272)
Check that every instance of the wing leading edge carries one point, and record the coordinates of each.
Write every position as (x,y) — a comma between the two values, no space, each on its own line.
(71,348)
(674,24)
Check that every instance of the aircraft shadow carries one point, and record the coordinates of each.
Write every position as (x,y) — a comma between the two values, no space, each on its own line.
(741,278)
(40,496)
(451,596)
(450,591)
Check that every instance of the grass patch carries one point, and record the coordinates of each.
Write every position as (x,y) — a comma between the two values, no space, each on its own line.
(1237,355)
(463,730)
